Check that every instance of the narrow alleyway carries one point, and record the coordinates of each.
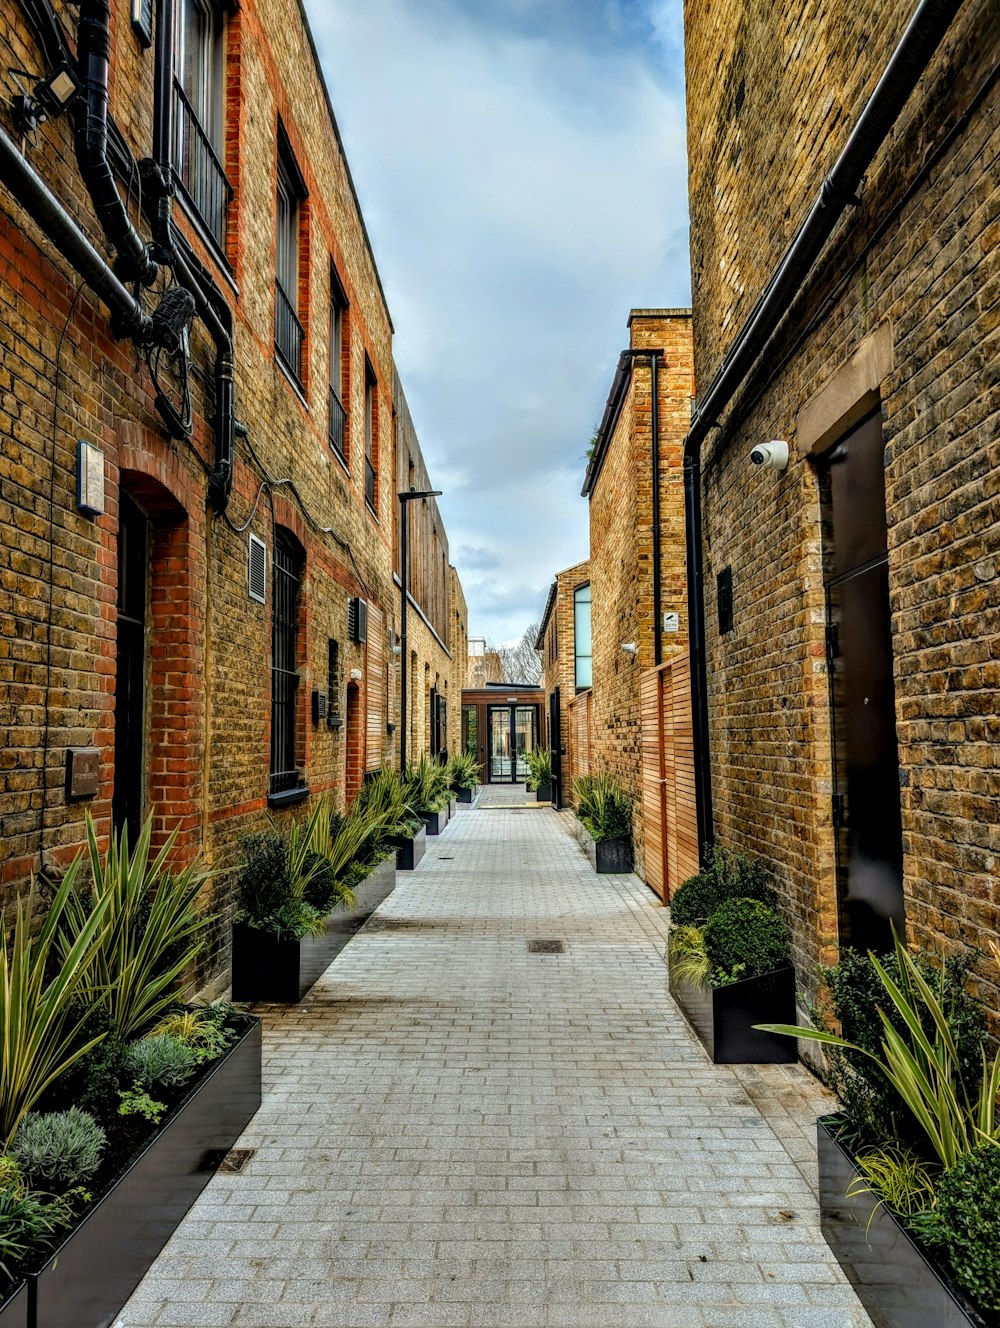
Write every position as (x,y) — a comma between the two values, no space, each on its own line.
(458,1131)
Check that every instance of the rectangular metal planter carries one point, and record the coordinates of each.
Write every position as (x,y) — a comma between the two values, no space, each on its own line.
(543,793)
(463,798)
(282,971)
(896,1280)
(435,822)
(90,1277)
(723,1017)
(607,856)
(409,851)
(14,1309)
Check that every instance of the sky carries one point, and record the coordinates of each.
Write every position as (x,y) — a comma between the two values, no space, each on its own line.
(521,171)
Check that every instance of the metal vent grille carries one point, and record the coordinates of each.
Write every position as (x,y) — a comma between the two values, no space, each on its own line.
(357,620)
(257,570)
(546,947)
(724,593)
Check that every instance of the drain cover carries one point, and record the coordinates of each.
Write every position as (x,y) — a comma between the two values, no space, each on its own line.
(545,947)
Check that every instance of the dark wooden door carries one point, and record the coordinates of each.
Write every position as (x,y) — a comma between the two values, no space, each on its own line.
(130,668)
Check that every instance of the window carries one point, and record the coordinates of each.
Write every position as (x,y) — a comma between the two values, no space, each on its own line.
(289,334)
(198,91)
(287,564)
(724,596)
(582,647)
(338,415)
(371,433)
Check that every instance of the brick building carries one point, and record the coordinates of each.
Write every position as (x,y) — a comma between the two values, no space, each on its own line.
(199,447)
(567,675)
(846,286)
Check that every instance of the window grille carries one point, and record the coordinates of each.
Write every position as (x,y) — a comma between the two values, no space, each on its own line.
(286,578)
(334,718)
(198,98)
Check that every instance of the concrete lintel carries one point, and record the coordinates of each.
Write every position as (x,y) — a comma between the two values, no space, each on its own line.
(852,392)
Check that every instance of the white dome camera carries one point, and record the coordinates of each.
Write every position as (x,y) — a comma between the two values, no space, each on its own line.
(772,455)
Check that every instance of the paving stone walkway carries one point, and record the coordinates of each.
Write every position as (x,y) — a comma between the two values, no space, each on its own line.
(456,1131)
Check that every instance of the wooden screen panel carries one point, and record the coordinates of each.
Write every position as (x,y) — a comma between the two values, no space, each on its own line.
(654,816)
(375,679)
(682,844)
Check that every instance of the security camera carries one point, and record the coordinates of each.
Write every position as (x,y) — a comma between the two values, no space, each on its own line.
(772,455)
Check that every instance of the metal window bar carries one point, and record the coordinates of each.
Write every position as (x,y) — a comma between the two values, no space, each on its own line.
(288,333)
(369,483)
(337,425)
(198,169)
(284,673)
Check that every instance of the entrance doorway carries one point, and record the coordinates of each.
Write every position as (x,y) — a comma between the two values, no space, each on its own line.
(130,669)
(866,806)
(513,733)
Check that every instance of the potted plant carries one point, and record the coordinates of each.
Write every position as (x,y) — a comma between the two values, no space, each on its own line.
(910,1169)
(539,779)
(604,822)
(113,1096)
(298,904)
(429,793)
(463,775)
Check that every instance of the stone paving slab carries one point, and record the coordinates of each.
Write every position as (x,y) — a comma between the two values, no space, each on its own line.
(456,1131)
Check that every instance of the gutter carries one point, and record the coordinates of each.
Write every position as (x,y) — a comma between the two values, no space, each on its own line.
(924,33)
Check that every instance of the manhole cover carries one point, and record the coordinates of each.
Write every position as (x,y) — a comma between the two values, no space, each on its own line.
(545,947)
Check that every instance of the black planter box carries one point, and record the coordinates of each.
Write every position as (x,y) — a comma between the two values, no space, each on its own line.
(90,1277)
(896,1280)
(543,793)
(409,851)
(281,972)
(14,1307)
(452,807)
(723,1017)
(607,856)
(463,798)
(435,822)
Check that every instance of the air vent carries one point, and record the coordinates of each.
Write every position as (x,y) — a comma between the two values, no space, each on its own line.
(257,570)
(357,620)
(724,592)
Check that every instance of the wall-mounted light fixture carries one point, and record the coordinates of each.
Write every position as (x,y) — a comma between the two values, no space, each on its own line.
(89,478)
(630,647)
(50,97)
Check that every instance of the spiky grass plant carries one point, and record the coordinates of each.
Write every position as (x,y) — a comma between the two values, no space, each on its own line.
(603,806)
(150,929)
(900,1180)
(539,761)
(49,983)
(687,957)
(427,785)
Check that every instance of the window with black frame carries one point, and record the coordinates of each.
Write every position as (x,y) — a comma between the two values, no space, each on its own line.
(289,335)
(371,424)
(288,565)
(198,112)
(338,415)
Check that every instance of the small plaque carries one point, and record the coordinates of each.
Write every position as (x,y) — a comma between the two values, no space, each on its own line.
(89,478)
(83,772)
(671,622)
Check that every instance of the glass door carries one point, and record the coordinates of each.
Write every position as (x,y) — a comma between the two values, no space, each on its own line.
(501,770)
(524,739)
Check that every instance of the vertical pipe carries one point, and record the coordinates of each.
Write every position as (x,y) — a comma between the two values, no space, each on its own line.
(404,555)
(654,422)
(696,646)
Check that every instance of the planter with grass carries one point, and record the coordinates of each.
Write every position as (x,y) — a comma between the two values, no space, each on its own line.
(604,822)
(898,1280)
(729,962)
(116,1100)
(435,821)
(910,1169)
(463,775)
(91,1275)
(428,789)
(539,779)
(302,896)
(464,797)
(410,848)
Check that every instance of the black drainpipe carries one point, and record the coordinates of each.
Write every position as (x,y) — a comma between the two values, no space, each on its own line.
(34,195)
(654,424)
(924,33)
(134,261)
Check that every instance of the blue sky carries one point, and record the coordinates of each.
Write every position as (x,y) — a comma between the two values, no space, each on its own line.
(521,168)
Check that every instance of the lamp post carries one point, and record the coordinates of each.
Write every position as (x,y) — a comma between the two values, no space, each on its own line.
(404,575)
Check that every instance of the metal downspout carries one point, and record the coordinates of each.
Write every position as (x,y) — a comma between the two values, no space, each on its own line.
(924,33)
(134,261)
(654,424)
(48,213)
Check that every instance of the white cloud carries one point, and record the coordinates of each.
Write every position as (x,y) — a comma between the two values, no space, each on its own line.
(523,180)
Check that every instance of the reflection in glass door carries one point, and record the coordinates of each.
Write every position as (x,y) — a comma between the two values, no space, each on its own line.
(500,762)
(524,734)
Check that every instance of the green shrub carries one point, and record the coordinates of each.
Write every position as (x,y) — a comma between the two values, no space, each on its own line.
(322,890)
(875,1108)
(604,807)
(539,761)
(159,1060)
(262,886)
(203,1030)
(965,1222)
(28,1221)
(744,938)
(58,1149)
(727,875)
